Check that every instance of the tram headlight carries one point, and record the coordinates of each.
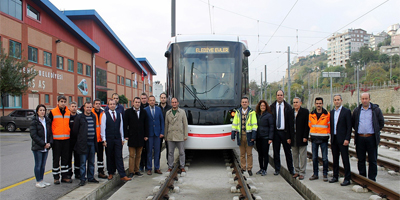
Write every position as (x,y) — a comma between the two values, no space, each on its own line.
(233,113)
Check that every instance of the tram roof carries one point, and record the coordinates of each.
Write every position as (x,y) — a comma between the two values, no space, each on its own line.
(191,38)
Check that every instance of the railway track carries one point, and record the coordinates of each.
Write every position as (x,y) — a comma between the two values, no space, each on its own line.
(381,190)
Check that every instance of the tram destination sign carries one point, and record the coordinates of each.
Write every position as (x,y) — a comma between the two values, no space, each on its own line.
(201,50)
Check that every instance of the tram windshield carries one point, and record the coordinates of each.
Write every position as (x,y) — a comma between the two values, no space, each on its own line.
(207,71)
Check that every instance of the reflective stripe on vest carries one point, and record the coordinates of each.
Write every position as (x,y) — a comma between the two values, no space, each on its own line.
(319,126)
(98,124)
(60,124)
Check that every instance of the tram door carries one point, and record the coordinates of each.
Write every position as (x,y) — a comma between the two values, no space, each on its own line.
(33,101)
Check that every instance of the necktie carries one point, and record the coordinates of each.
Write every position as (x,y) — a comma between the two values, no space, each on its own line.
(279,116)
(152,112)
(113,116)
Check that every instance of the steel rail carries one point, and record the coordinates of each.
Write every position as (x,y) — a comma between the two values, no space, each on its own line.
(168,185)
(242,185)
(381,190)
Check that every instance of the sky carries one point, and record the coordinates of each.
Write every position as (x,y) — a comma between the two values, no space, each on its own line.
(269,26)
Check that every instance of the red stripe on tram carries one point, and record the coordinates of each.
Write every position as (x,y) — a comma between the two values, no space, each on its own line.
(209,135)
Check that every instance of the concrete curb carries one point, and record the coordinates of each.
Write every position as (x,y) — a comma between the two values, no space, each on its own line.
(301,188)
(101,189)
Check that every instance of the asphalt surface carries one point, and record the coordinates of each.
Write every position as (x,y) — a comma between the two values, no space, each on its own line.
(16,170)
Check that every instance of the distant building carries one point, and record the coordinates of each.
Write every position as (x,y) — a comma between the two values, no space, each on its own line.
(158,89)
(374,40)
(391,30)
(341,45)
(394,47)
(396,38)
(317,52)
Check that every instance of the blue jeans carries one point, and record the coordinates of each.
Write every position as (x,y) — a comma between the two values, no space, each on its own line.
(89,157)
(40,163)
(324,150)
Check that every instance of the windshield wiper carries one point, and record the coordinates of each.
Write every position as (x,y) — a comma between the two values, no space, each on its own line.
(204,107)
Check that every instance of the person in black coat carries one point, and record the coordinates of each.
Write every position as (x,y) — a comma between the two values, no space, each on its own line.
(86,143)
(298,137)
(164,108)
(42,140)
(340,139)
(281,129)
(265,134)
(367,135)
(136,132)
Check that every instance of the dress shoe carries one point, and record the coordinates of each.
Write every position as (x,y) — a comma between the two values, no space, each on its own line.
(276,173)
(46,183)
(325,178)
(259,171)
(149,172)
(93,181)
(102,175)
(77,176)
(157,171)
(125,178)
(66,180)
(250,172)
(333,180)
(56,182)
(40,185)
(345,182)
(183,170)
(139,174)
(131,175)
(82,183)
(264,173)
(110,176)
(301,177)
(169,170)
(295,175)
(313,177)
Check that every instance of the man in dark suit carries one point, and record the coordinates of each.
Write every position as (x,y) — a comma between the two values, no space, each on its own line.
(281,112)
(136,132)
(340,139)
(155,125)
(164,107)
(298,137)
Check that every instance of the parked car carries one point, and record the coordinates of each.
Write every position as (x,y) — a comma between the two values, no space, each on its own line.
(18,119)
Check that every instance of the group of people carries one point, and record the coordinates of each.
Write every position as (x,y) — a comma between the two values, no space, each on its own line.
(280,124)
(81,136)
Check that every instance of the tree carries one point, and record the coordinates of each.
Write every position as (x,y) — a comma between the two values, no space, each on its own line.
(15,76)
(383,58)
(123,99)
(376,74)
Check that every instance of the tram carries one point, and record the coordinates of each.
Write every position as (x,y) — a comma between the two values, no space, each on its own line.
(209,76)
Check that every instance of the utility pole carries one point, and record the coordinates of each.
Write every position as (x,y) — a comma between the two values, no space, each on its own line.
(261,87)
(390,80)
(173,28)
(358,85)
(288,57)
(265,74)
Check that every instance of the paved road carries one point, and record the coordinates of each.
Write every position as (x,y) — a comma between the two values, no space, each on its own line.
(16,170)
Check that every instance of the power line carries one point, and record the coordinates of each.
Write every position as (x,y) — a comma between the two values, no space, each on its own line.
(276,30)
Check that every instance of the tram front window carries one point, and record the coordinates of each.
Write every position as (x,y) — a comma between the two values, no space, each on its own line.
(206,72)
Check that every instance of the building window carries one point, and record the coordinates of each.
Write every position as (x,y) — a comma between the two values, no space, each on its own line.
(47,58)
(122,80)
(88,99)
(101,77)
(128,82)
(60,62)
(151,89)
(69,99)
(31,12)
(80,101)
(32,54)
(80,68)
(118,80)
(12,7)
(11,102)
(15,49)
(134,85)
(88,70)
(70,65)
(46,98)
